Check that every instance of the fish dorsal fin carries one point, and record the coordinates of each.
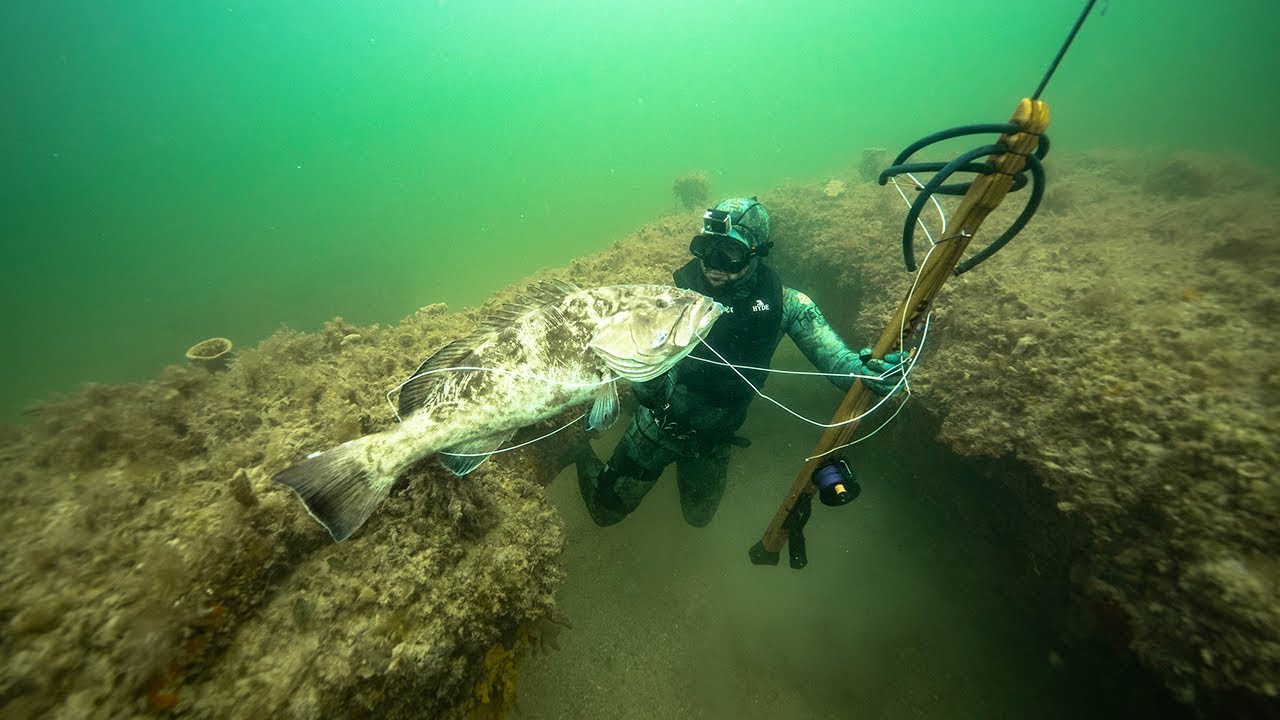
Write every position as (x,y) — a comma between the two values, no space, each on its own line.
(502,318)
(416,392)
(466,456)
(549,291)
(533,298)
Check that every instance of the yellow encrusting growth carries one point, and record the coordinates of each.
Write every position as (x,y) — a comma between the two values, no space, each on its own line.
(495,694)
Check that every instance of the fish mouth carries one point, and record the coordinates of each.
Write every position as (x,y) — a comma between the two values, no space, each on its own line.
(708,317)
(694,321)
(684,327)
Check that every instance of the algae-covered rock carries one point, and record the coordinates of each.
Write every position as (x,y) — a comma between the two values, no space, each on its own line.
(160,570)
(1114,369)
(1123,350)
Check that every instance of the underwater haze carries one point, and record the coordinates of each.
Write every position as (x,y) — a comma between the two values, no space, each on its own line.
(176,171)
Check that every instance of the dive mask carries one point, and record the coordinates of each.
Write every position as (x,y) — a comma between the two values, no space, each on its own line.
(720,252)
(721,245)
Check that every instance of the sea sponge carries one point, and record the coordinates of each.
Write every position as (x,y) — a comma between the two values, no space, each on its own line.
(692,189)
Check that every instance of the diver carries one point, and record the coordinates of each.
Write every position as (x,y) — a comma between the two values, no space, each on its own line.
(689,415)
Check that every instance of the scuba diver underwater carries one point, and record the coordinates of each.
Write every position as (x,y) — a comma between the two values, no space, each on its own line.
(688,416)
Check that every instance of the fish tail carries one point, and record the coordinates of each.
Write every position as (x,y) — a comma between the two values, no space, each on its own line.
(339,487)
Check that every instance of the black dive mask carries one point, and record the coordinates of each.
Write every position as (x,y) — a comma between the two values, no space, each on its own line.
(720,252)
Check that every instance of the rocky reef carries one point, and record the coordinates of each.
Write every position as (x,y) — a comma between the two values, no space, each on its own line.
(1118,360)
(159,570)
(1114,370)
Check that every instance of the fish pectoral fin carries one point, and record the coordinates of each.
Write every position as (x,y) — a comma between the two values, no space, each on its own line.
(604,412)
(468,455)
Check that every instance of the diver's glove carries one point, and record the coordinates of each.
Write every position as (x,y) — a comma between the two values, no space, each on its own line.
(885,373)
(668,405)
(671,412)
(654,393)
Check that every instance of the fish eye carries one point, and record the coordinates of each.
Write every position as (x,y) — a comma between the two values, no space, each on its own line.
(664,302)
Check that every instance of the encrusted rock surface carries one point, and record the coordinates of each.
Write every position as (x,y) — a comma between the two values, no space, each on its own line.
(1117,365)
(1123,351)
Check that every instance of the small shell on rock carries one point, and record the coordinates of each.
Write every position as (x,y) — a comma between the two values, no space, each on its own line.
(833,188)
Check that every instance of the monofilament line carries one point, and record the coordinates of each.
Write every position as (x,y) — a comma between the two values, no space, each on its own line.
(566,426)
(902,383)
(499,371)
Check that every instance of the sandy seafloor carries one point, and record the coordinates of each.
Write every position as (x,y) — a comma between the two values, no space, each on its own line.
(1078,514)
(903,612)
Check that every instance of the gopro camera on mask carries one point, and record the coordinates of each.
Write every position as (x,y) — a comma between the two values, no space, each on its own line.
(717,222)
(720,245)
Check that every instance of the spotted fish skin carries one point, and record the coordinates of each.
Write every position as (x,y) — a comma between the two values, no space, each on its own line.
(557,348)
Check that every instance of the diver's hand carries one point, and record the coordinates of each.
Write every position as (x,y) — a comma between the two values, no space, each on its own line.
(667,402)
(654,393)
(672,416)
(880,376)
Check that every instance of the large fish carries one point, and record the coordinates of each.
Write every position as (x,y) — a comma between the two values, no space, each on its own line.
(559,347)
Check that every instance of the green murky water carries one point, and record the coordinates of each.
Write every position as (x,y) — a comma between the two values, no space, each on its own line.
(179,171)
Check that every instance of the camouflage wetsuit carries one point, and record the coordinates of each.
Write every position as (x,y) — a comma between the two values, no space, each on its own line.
(689,415)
